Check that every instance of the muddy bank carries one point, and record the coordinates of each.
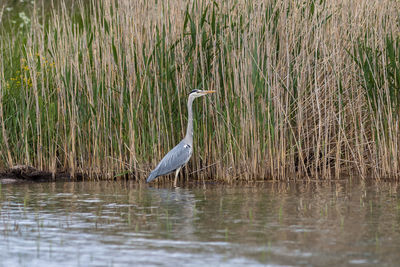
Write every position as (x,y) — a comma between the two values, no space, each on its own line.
(23,173)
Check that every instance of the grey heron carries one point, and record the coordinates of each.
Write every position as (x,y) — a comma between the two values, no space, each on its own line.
(177,157)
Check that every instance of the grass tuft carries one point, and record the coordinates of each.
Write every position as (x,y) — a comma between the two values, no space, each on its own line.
(304,88)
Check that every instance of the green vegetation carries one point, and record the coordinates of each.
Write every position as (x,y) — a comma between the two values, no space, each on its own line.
(304,88)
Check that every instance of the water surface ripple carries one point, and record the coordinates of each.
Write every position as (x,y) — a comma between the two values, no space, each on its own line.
(273,223)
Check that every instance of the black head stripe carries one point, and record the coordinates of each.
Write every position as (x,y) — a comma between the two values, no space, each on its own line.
(193,91)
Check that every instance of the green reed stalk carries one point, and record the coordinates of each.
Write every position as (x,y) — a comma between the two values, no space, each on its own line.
(100,88)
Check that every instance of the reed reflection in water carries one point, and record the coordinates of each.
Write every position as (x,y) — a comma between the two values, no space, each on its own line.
(125,223)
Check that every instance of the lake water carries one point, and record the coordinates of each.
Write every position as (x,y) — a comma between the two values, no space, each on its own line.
(271,223)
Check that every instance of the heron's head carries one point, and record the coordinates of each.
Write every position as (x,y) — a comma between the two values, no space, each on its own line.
(197,93)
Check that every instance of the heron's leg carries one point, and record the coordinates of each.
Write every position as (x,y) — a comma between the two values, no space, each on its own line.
(176,176)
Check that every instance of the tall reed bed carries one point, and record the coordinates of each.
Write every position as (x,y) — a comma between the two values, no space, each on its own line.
(304,88)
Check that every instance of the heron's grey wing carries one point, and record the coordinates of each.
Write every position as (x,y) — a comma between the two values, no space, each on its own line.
(177,157)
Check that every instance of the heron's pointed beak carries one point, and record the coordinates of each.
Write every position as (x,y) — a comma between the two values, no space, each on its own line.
(209,92)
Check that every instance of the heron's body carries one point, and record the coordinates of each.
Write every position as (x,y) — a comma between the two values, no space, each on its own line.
(176,158)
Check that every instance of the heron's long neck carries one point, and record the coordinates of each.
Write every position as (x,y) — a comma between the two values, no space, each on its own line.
(189,130)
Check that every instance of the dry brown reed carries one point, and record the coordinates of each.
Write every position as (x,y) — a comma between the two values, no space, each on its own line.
(106,85)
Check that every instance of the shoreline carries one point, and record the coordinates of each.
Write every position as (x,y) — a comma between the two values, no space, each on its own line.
(25,173)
